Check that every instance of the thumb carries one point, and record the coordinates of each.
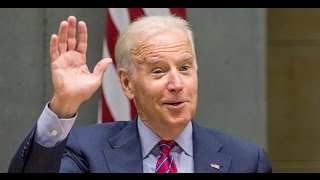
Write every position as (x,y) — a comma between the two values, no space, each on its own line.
(101,67)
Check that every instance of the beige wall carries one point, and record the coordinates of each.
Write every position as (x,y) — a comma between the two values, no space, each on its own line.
(294,89)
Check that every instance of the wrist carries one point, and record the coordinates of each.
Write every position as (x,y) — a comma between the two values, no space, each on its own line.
(63,108)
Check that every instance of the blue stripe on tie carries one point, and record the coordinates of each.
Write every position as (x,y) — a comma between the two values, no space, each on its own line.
(170,165)
(166,159)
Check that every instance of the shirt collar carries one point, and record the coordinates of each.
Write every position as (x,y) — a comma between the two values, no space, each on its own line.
(149,139)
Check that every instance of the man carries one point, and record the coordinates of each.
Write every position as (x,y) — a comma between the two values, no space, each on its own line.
(157,67)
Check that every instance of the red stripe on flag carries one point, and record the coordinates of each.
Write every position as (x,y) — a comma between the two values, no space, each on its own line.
(111,35)
(133,111)
(181,12)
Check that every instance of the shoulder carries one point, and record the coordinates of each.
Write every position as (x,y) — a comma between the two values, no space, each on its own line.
(229,138)
(246,156)
(117,125)
(231,144)
(99,131)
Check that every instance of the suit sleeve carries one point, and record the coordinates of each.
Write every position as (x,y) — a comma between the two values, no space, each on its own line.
(73,160)
(264,164)
(33,157)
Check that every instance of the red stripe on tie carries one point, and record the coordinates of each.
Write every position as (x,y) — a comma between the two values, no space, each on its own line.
(165,163)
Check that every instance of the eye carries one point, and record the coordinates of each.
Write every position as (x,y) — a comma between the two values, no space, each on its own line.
(184,68)
(157,71)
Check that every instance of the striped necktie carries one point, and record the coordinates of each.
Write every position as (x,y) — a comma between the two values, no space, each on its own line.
(165,163)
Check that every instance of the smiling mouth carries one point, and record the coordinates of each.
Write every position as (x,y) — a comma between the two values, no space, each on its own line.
(173,104)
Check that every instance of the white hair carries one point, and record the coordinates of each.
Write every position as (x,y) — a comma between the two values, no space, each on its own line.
(142,29)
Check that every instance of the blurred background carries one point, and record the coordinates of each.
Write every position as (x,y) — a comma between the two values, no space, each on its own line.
(259,76)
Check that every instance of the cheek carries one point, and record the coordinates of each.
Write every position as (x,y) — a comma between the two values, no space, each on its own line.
(144,89)
(192,85)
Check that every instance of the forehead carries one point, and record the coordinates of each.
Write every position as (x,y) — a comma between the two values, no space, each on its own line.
(168,37)
(168,41)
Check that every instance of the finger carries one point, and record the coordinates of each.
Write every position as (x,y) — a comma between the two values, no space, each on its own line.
(101,67)
(54,51)
(62,36)
(82,38)
(71,42)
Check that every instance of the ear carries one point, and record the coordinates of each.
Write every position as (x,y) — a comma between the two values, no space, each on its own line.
(126,83)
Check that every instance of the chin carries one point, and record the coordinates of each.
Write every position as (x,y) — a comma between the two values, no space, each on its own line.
(179,121)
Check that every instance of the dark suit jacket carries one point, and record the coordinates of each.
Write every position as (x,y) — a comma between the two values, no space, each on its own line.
(115,147)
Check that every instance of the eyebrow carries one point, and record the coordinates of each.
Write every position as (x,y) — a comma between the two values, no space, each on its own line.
(187,59)
(152,61)
(157,60)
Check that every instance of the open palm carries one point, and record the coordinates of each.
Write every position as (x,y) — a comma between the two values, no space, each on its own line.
(73,83)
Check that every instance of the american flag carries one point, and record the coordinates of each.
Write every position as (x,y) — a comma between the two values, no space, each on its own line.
(113,104)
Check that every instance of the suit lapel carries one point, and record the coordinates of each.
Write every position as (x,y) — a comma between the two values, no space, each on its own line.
(207,155)
(123,153)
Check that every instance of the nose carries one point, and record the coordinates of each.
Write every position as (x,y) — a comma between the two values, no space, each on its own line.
(175,83)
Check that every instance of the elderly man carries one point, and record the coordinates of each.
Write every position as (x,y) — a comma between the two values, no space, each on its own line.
(157,67)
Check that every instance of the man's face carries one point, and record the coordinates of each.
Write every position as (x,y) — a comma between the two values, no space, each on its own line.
(166,82)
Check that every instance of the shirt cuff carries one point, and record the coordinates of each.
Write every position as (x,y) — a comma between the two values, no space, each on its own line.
(50,129)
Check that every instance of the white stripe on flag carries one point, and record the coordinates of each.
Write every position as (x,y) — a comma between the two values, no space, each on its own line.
(120,18)
(117,102)
(157,11)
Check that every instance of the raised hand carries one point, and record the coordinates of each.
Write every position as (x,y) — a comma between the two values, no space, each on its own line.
(73,83)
